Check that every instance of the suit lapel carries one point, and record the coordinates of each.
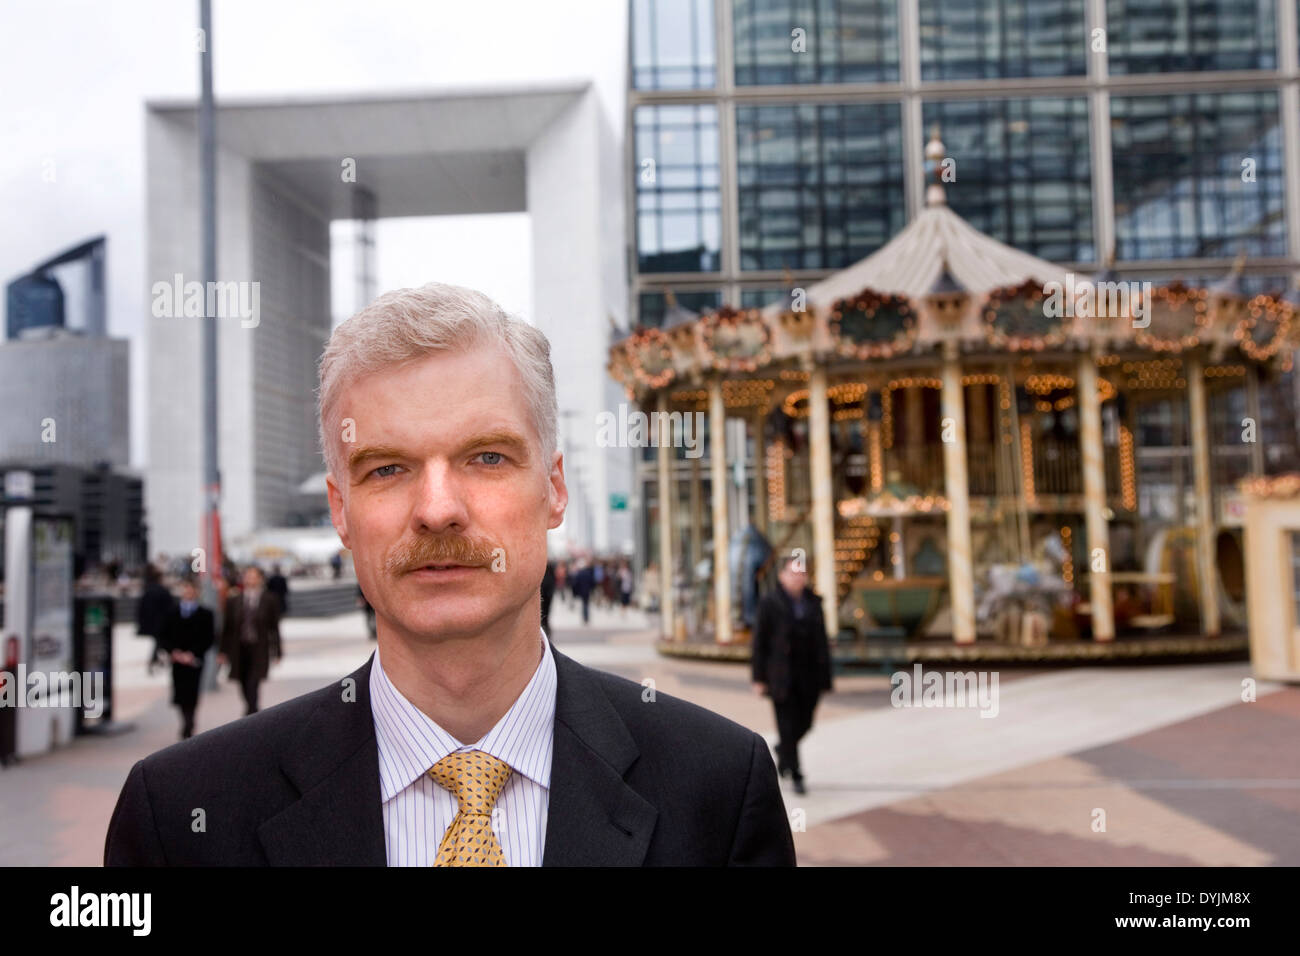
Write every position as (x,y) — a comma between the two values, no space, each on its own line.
(594,818)
(334,764)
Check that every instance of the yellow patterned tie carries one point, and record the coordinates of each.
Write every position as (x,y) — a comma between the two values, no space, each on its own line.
(476,778)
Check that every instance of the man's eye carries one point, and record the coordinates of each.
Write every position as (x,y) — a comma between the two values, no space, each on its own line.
(495,454)
(377,471)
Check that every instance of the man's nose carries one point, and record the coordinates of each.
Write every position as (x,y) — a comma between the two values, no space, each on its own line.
(440,500)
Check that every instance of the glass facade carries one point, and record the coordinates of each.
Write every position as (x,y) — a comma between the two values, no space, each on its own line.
(996,39)
(781,42)
(1022,171)
(677,188)
(758,298)
(1175,36)
(1198,175)
(821,174)
(653,306)
(673,45)
(818,186)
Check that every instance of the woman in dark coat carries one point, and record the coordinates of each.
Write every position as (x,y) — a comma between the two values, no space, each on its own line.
(187,635)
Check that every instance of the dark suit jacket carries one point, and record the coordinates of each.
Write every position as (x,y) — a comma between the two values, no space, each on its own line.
(196,635)
(152,609)
(789,655)
(633,783)
(267,644)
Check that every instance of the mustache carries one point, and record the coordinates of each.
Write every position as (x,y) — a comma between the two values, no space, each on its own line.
(438,549)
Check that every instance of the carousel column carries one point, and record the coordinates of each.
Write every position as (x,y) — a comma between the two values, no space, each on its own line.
(1204,514)
(760,468)
(721,532)
(1256,416)
(961,576)
(823,503)
(667,499)
(1094,500)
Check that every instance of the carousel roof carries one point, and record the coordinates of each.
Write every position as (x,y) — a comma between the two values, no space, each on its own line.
(941,281)
(913,261)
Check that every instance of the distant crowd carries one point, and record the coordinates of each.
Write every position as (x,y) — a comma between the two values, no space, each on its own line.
(607,581)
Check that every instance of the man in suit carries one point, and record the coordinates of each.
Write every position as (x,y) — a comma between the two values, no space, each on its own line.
(791,660)
(187,636)
(152,610)
(466,739)
(250,635)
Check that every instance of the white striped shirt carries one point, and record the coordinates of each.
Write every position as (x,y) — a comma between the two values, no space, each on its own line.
(417,811)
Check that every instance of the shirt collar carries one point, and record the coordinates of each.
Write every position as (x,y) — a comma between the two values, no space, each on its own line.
(410,742)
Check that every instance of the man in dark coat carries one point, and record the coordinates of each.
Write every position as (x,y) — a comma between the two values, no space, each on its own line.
(791,660)
(459,464)
(584,582)
(278,585)
(152,610)
(250,635)
(187,636)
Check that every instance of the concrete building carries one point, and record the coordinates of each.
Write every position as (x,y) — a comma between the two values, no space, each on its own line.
(286,168)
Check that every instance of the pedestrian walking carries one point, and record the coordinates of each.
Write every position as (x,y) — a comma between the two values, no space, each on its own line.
(624,587)
(250,635)
(562,581)
(187,636)
(278,585)
(584,582)
(152,610)
(791,661)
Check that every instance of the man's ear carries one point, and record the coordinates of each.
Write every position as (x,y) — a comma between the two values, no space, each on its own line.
(559,493)
(338,514)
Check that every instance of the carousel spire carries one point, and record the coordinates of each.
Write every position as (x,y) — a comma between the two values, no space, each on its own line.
(935,153)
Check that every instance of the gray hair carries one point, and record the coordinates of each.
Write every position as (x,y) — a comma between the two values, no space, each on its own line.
(409,324)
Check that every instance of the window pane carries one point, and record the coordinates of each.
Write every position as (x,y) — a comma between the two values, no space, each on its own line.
(1165,36)
(672,45)
(759,298)
(1198,175)
(676,175)
(815,41)
(1022,171)
(819,186)
(988,39)
(652,306)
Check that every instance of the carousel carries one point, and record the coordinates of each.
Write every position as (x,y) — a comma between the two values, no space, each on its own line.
(977,454)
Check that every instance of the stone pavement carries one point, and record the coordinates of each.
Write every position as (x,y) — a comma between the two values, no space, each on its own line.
(1183,771)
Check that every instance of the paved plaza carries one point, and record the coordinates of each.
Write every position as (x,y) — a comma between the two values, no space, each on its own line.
(1107,766)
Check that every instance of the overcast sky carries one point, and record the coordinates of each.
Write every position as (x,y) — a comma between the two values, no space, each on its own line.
(74,77)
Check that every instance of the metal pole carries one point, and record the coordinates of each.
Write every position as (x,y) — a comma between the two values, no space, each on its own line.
(208,237)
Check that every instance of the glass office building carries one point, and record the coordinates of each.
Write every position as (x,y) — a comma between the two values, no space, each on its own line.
(772,142)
